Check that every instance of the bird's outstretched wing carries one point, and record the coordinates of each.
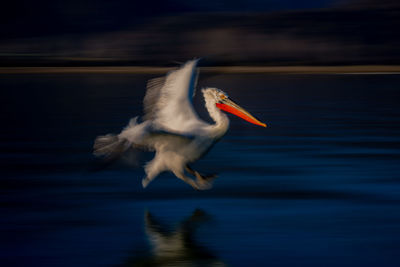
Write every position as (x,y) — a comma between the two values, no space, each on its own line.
(168,100)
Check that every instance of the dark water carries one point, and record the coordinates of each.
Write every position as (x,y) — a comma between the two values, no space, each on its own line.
(319,187)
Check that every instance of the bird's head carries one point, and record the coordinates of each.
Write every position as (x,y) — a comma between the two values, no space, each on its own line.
(223,102)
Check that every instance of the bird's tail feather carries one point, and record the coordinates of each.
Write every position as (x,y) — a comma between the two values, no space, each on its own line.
(110,146)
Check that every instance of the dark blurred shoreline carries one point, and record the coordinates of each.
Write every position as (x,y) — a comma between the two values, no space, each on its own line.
(365,69)
(358,34)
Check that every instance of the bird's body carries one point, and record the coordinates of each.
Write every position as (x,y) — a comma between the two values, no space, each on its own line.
(172,128)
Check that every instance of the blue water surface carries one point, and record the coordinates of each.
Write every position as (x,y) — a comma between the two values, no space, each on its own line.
(320,186)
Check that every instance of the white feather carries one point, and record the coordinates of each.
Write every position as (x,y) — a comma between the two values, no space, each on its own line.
(168,101)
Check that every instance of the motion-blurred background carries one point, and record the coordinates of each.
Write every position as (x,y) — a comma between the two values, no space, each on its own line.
(243,32)
(319,187)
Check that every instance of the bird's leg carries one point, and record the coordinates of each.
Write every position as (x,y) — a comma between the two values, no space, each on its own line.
(197,174)
(203,181)
(152,171)
(186,179)
(146,181)
(150,177)
(190,170)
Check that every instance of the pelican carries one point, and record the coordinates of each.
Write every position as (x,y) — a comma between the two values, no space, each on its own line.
(171,128)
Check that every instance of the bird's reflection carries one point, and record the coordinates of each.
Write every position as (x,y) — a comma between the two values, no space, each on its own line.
(177,247)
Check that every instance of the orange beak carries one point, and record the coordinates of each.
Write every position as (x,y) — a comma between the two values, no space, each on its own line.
(231,107)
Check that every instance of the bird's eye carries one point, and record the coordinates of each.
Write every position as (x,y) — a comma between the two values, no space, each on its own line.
(222,96)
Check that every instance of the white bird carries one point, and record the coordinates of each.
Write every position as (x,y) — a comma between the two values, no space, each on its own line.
(172,128)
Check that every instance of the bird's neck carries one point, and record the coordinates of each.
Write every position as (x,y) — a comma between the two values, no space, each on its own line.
(221,120)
